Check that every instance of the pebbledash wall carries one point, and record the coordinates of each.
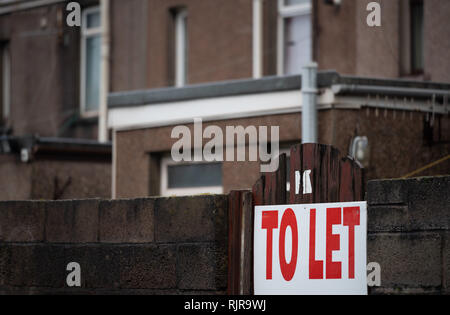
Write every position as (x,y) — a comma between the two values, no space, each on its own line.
(180,245)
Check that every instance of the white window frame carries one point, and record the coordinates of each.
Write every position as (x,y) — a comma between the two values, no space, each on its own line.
(181,47)
(257,40)
(166,191)
(284,12)
(6,81)
(85,34)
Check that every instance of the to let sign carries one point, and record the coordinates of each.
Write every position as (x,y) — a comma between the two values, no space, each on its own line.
(310,249)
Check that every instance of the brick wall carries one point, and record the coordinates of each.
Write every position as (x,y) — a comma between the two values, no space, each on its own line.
(49,179)
(393,140)
(409,234)
(149,246)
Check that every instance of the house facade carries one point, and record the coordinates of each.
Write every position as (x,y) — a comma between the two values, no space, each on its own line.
(401,126)
(51,73)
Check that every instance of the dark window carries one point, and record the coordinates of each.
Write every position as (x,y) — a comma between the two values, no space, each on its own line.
(195,175)
(5,81)
(1,85)
(91,40)
(417,55)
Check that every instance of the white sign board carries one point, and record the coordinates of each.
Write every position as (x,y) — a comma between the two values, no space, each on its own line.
(310,249)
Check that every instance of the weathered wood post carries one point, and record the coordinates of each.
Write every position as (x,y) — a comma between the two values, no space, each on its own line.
(269,189)
(240,240)
(319,174)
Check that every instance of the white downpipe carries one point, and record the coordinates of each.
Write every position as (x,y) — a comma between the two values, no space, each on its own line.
(104,81)
(19,5)
(257,38)
(309,108)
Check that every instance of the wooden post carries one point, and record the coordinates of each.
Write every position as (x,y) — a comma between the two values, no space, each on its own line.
(333,177)
(240,243)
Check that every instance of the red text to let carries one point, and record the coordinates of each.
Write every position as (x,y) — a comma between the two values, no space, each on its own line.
(318,269)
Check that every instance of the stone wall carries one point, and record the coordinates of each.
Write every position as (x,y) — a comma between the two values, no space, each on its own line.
(49,179)
(142,246)
(180,245)
(409,234)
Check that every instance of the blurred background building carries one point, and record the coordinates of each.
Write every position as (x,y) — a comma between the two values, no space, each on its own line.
(230,62)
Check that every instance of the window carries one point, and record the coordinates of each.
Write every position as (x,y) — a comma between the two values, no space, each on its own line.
(181,47)
(5,79)
(294,36)
(416,36)
(91,40)
(190,178)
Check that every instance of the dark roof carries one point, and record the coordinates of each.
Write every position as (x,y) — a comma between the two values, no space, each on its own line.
(19,5)
(263,85)
(56,148)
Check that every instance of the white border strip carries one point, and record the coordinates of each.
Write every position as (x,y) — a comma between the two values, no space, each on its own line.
(218,108)
(249,105)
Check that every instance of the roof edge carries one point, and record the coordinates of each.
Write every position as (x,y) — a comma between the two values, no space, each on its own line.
(268,84)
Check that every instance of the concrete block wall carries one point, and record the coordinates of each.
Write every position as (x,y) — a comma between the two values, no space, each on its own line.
(180,245)
(141,246)
(409,234)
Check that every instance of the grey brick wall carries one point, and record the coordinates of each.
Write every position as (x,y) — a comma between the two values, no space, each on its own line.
(142,246)
(408,234)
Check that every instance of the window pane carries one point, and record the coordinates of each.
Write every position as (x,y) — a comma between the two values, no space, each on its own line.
(92,87)
(181,48)
(93,20)
(417,35)
(297,43)
(295,2)
(194,175)
(5,79)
